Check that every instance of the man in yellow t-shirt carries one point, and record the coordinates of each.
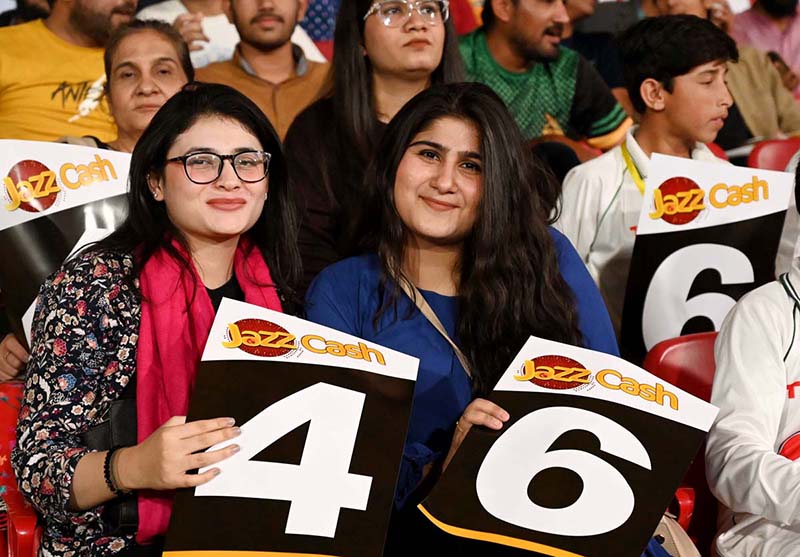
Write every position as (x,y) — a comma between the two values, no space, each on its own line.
(51,71)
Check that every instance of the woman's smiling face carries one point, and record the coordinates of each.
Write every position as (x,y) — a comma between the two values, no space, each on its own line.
(439,181)
(224,208)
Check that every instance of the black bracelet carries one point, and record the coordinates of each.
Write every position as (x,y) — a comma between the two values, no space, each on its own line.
(107,473)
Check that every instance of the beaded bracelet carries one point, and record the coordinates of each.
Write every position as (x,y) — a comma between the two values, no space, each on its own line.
(112,485)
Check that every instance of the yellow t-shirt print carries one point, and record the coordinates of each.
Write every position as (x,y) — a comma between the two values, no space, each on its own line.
(50,88)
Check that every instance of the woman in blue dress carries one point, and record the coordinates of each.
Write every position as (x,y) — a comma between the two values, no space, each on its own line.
(458,226)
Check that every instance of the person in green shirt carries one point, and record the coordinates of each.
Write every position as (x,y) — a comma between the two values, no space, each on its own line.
(551,90)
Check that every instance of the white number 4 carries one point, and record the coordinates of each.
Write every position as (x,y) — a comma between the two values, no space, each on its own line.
(321,485)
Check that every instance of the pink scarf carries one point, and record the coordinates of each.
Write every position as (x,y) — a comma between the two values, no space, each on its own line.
(171,342)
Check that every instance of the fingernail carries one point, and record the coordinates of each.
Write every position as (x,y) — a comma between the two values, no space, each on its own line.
(235,448)
(237,431)
(216,471)
(506,416)
(230,421)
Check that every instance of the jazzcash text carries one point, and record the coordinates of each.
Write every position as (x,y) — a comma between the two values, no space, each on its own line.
(614,380)
(555,373)
(607,378)
(313,343)
(73,176)
(720,196)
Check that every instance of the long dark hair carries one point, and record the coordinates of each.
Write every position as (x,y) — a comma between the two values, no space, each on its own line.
(510,284)
(148,228)
(354,110)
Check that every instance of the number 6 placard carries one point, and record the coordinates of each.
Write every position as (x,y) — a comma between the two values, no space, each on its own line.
(708,233)
(586,465)
(323,418)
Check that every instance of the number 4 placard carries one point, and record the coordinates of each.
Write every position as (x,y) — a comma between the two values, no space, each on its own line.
(320,485)
(323,418)
(586,465)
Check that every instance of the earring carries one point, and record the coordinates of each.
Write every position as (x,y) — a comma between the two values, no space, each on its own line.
(155,194)
(266,196)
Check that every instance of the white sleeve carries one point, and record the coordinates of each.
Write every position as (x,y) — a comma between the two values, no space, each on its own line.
(787,246)
(303,40)
(742,466)
(580,206)
(163,11)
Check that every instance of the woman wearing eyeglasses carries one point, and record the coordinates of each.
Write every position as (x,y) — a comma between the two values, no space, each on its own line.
(384,53)
(127,320)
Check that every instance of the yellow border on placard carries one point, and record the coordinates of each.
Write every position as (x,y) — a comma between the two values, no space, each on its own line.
(209,553)
(497,538)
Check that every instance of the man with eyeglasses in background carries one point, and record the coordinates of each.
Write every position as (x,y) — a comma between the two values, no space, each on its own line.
(550,90)
(266,65)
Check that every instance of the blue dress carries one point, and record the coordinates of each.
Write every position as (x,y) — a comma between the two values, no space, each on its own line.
(345,297)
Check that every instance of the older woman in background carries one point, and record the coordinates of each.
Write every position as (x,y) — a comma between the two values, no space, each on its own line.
(146,63)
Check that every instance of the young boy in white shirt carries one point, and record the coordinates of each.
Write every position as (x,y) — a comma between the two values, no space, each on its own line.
(675,70)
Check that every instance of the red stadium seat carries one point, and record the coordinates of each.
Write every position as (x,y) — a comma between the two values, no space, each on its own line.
(688,362)
(22,531)
(717,150)
(773,154)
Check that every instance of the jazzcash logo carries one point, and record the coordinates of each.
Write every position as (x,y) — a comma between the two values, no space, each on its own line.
(33,187)
(554,372)
(560,373)
(269,340)
(680,200)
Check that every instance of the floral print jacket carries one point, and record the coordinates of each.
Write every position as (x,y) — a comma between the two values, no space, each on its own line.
(83,354)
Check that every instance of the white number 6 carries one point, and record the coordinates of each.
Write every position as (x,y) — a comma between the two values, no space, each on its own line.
(606,501)
(664,314)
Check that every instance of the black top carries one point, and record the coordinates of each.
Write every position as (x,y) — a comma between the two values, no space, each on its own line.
(9,17)
(100,144)
(601,50)
(734,132)
(326,175)
(230,289)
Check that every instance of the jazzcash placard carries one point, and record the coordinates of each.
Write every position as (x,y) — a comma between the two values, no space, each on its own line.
(324,417)
(52,196)
(588,461)
(708,233)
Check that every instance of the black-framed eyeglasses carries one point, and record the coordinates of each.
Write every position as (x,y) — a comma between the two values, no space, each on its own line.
(395,13)
(205,167)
